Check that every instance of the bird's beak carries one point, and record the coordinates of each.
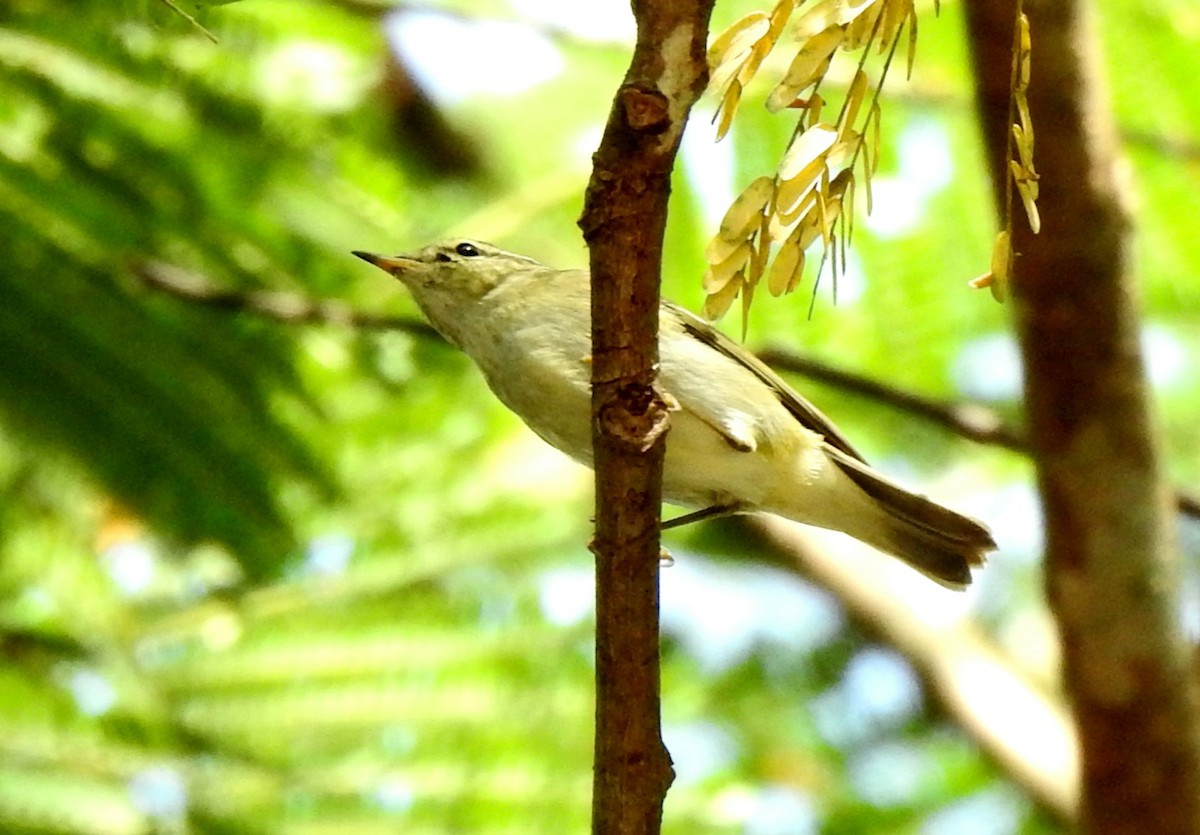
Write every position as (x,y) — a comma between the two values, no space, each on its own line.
(389,264)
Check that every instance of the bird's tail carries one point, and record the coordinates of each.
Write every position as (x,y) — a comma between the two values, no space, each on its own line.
(939,542)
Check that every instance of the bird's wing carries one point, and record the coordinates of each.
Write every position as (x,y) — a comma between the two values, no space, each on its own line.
(809,416)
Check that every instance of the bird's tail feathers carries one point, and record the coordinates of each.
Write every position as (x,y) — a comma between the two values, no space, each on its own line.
(941,543)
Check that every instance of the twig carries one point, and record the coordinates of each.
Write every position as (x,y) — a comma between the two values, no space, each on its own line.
(173,6)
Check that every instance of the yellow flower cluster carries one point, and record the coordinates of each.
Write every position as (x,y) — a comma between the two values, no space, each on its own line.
(813,186)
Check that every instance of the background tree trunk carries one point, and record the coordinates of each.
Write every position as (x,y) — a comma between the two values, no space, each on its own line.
(1111,567)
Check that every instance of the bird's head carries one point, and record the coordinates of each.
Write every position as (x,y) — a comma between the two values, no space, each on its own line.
(448,279)
(459,269)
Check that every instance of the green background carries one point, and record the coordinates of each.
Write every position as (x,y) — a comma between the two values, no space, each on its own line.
(263,576)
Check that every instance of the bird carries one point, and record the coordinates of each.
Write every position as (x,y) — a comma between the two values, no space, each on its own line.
(741,440)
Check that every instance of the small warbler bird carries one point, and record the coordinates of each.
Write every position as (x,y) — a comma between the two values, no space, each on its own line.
(740,439)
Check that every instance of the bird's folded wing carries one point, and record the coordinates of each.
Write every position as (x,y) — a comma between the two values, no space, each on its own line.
(809,416)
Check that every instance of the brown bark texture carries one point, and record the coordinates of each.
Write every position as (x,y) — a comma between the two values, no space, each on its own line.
(1111,565)
(623,221)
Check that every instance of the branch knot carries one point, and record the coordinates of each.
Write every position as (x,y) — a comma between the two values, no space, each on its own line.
(636,417)
(645,110)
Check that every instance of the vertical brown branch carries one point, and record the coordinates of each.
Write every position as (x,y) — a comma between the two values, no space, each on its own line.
(623,221)
(1111,568)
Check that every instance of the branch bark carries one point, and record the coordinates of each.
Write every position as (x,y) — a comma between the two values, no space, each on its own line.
(623,221)
(1112,570)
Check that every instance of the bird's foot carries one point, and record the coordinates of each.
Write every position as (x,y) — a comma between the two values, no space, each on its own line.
(714,512)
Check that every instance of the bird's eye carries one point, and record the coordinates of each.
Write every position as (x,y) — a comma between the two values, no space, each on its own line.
(466,250)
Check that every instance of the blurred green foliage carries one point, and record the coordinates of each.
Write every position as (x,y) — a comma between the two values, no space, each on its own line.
(270,577)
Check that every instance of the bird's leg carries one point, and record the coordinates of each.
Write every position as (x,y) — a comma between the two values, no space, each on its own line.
(714,512)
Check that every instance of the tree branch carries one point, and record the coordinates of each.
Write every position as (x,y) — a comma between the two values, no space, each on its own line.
(625,212)
(1111,566)
(970,420)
